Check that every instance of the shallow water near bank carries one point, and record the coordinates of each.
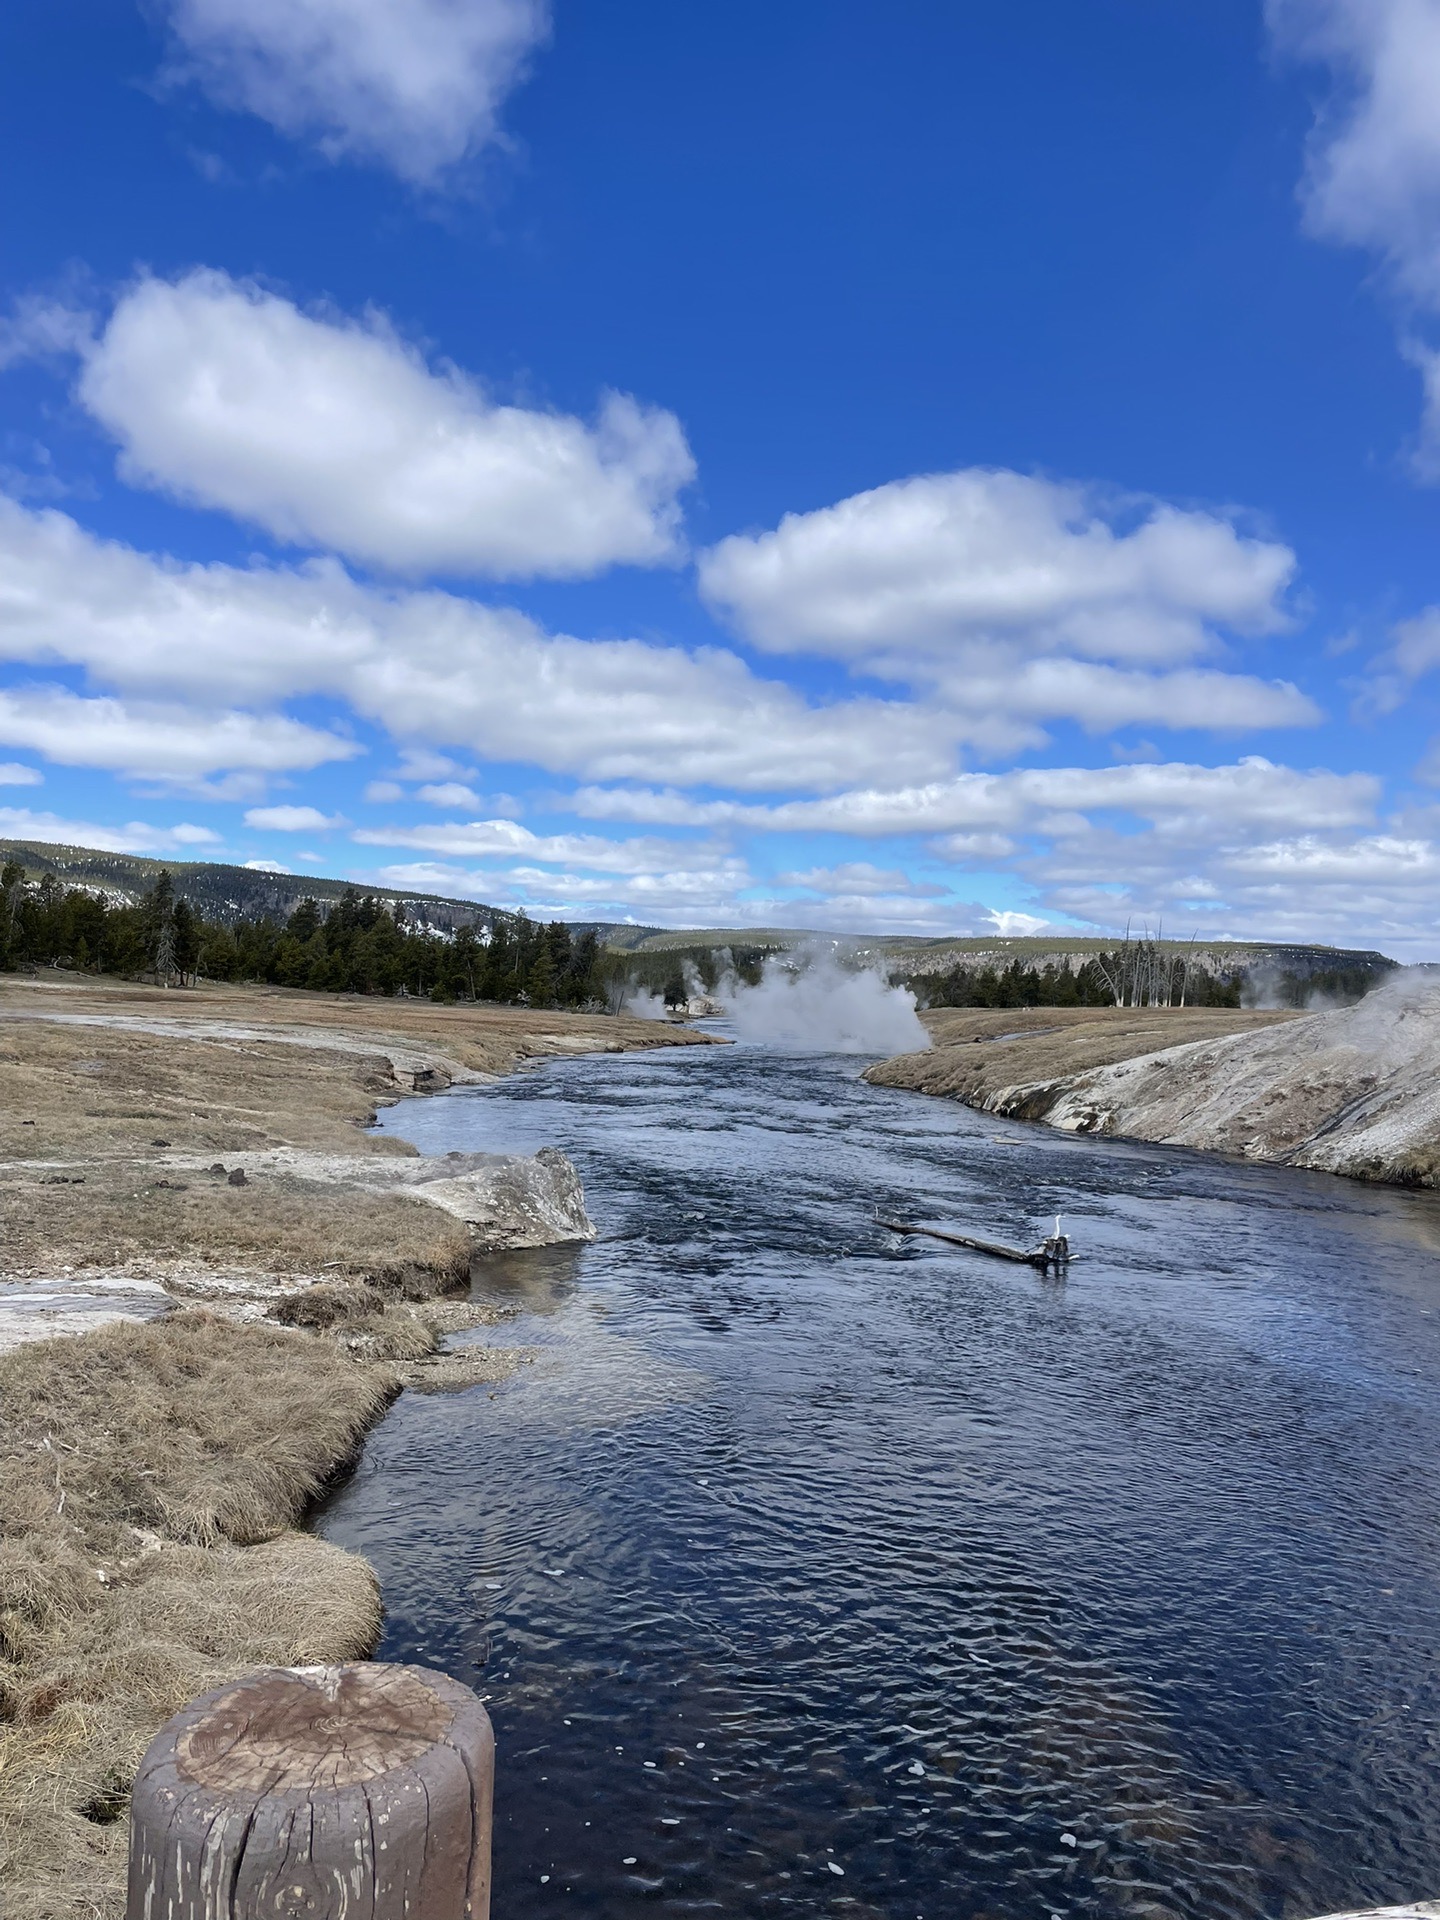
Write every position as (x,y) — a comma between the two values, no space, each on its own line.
(802,1548)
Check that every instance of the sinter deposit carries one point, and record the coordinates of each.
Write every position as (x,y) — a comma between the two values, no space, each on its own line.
(1353,1091)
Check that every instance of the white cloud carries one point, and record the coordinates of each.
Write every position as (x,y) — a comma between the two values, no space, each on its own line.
(914,569)
(1253,792)
(433,668)
(19,823)
(40,328)
(508,840)
(1425,455)
(1251,850)
(857,878)
(414,84)
(381,793)
(423,763)
(335,433)
(1333,887)
(265,866)
(292,819)
(1414,652)
(1011,925)
(1373,172)
(975,849)
(13,774)
(681,896)
(162,742)
(1372,176)
(449,793)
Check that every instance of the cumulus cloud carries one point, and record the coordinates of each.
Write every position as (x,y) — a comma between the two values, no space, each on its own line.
(14,774)
(334,433)
(19,823)
(433,668)
(413,84)
(1017,600)
(158,741)
(292,819)
(918,567)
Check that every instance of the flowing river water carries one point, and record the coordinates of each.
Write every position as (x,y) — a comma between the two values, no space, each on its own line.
(807,1570)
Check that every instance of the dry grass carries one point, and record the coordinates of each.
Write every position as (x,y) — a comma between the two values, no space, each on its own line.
(150,1479)
(154,1221)
(248,1068)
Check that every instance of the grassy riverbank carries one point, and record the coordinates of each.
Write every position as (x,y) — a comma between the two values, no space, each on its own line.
(153,1473)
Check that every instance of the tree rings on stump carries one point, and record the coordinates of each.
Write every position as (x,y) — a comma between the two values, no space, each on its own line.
(317,1793)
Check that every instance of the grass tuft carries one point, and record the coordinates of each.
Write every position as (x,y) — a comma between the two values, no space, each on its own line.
(150,1479)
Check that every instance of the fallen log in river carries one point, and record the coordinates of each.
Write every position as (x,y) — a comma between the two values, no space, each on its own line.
(1054,1251)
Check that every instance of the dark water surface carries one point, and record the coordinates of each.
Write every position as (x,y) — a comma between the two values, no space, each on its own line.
(802,1549)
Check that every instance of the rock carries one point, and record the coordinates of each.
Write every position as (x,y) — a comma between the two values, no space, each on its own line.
(508,1200)
(236,1177)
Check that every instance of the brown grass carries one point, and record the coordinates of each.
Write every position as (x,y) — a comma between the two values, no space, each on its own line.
(151,1220)
(150,1479)
(103,1089)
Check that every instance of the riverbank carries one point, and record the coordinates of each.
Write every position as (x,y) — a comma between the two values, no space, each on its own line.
(187,1186)
(1352,1091)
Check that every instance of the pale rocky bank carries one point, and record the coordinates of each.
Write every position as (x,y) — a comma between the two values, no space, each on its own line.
(1355,1091)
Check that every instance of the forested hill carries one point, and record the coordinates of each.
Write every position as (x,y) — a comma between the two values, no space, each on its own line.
(231,896)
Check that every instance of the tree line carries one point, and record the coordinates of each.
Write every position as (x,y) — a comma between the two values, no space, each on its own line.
(362,945)
(1125,978)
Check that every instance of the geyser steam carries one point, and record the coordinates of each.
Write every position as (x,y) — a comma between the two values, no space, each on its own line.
(809,1001)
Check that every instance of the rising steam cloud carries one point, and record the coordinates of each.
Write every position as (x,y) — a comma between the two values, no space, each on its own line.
(808,1001)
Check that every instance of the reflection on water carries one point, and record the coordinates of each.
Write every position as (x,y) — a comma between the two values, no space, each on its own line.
(813,1571)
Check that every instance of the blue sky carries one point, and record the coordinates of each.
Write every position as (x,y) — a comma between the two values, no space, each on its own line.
(909,468)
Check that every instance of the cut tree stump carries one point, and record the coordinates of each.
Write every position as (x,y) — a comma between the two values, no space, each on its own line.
(317,1793)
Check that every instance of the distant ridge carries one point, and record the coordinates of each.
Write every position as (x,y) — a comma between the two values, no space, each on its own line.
(918,954)
(229,893)
(226,893)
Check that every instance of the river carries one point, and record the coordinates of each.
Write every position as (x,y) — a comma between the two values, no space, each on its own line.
(807,1570)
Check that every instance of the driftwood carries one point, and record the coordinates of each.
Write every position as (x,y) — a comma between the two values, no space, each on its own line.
(1052,1252)
(338,1793)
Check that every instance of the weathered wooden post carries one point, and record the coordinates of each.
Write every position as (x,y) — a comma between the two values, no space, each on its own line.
(317,1793)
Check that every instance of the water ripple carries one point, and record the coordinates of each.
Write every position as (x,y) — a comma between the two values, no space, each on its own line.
(801,1549)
